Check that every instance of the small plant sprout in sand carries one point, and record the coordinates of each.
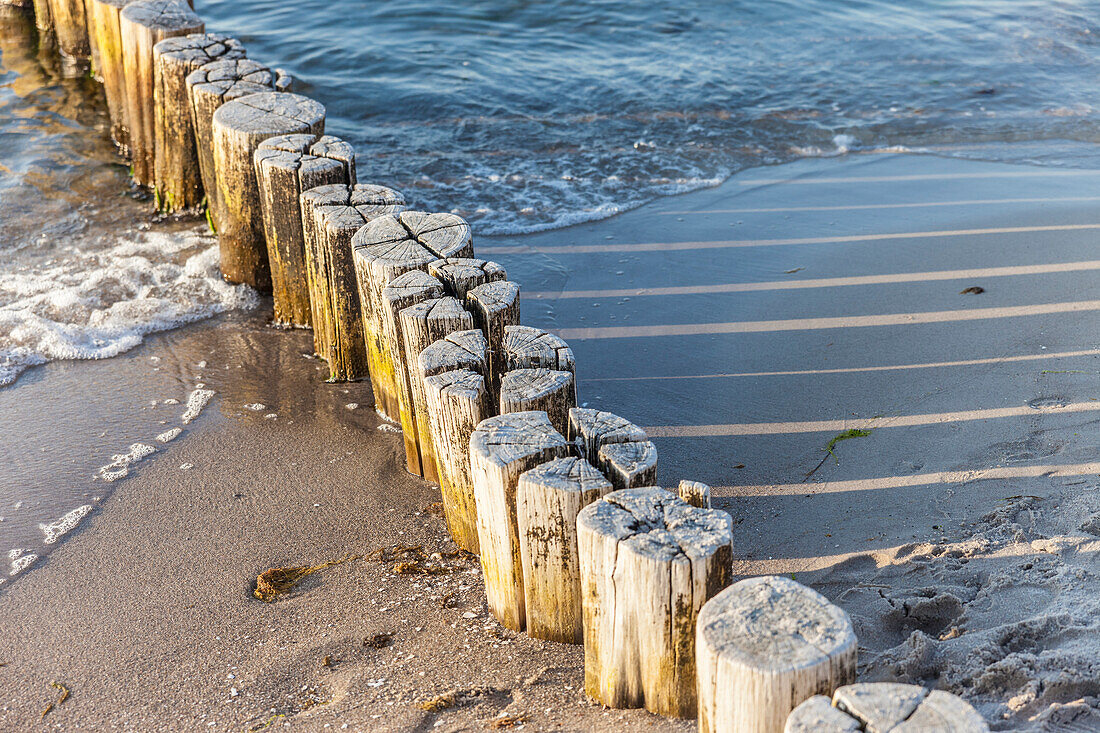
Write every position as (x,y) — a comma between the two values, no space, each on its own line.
(846,435)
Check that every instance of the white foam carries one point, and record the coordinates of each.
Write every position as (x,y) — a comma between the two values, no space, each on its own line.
(103,296)
(169,435)
(67,523)
(196,401)
(21,562)
(120,463)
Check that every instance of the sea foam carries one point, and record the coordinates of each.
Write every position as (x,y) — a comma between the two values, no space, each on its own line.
(103,296)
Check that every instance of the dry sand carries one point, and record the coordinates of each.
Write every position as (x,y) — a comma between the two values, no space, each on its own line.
(960,534)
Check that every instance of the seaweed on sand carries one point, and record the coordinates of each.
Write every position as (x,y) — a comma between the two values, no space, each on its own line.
(274,582)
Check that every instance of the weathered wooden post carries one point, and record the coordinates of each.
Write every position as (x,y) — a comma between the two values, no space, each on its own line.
(592,429)
(208,88)
(629,465)
(421,325)
(331,215)
(103,26)
(649,562)
(142,25)
(886,706)
(287,165)
(552,391)
(763,646)
(548,499)
(460,275)
(495,305)
(176,177)
(70,27)
(452,372)
(389,246)
(526,347)
(694,493)
(43,18)
(405,291)
(239,127)
(501,448)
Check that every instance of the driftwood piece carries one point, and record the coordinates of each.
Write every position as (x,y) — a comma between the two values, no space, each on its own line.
(695,493)
(385,248)
(104,28)
(629,465)
(421,325)
(287,165)
(649,562)
(501,448)
(552,391)
(886,706)
(208,88)
(460,275)
(526,347)
(764,645)
(405,291)
(331,215)
(239,127)
(548,499)
(457,402)
(142,25)
(177,182)
(592,429)
(70,27)
(495,305)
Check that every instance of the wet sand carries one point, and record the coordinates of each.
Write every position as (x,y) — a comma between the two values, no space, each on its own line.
(959,534)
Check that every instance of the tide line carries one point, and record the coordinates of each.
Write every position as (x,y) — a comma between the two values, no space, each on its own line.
(811,324)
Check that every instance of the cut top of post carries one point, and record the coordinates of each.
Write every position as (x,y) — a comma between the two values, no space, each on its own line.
(306,153)
(268,113)
(232,78)
(161,15)
(458,350)
(460,275)
(343,207)
(571,474)
(657,524)
(505,439)
(199,49)
(774,624)
(526,347)
(590,429)
(415,237)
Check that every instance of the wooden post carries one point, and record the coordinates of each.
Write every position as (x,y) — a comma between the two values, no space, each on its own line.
(177,182)
(457,402)
(450,425)
(287,165)
(389,246)
(331,215)
(43,18)
(421,325)
(142,25)
(208,88)
(239,127)
(70,27)
(495,305)
(402,292)
(552,391)
(591,429)
(886,706)
(103,26)
(648,564)
(763,646)
(548,499)
(460,275)
(526,347)
(629,465)
(501,448)
(695,493)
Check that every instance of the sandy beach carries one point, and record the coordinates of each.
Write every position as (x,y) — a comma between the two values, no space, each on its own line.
(744,326)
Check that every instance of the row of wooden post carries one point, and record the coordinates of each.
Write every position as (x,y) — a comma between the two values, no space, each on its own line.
(577,544)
